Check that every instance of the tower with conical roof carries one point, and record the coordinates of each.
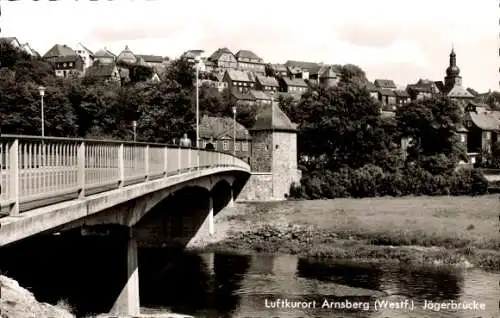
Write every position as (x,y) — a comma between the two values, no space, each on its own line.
(126,56)
(274,155)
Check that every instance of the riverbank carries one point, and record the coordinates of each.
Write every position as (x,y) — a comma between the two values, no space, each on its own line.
(456,231)
(17,302)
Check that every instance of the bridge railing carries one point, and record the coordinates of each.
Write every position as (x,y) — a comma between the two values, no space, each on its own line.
(39,171)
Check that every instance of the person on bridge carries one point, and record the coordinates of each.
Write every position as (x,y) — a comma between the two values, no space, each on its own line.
(210,145)
(185,141)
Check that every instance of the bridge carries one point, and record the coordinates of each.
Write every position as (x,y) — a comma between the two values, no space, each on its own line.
(143,193)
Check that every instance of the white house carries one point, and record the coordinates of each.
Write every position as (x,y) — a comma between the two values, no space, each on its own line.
(86,55)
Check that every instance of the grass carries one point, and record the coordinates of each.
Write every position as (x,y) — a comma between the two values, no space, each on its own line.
(442,230)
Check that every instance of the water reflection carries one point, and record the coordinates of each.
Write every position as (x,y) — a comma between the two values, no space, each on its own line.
(221,285)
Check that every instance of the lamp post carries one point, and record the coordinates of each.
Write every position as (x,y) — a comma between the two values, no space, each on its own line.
(134,125)
(41,89)
(234,130)
(197,61)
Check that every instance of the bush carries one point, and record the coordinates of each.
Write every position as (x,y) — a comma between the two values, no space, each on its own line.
(372,181)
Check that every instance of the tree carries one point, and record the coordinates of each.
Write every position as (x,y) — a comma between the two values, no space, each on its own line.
(182,72)
(351,73)
(338,127)
(287,105)
(431,126)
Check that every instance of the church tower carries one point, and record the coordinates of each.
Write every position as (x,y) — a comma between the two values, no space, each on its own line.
(453,77)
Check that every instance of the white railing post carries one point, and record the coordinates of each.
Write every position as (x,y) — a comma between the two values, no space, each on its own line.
(146,162)
(80,166)
(14,177)
(218,160)
(121,165)
(189,159)
(165,163)
(179,159)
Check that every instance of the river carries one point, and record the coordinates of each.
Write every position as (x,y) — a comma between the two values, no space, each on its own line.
(225,285)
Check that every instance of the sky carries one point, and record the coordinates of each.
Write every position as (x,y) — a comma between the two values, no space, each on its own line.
(390,39)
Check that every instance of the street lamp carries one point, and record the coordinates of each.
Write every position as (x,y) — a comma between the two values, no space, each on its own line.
(234,130)
(134,125)
(197,61)
(41,89)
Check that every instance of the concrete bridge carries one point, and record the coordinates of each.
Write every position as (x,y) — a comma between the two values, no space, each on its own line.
(144,194)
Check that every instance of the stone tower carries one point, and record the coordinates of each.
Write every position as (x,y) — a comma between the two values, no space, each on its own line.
(274,155)
(329,78)
(453,77)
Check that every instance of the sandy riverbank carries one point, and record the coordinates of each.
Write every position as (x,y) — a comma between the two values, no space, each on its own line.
(456,231)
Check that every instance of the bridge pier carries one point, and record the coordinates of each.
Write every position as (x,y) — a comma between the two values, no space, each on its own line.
(231,200)
(128,301)
(210,218)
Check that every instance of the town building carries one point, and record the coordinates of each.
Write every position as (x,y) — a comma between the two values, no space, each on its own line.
(223,59)
(248,61)
(67,66)
(273,157)
(238,80)
(86,55)
(219,131)
(126,56)
(328,77)
(104,56)
(292,85)
(483,127)
(266,83)
(107,73)
(58,51)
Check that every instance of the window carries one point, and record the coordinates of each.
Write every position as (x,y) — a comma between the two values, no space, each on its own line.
(203,143)
(237,146)
(225,145)
(488,135)
(244,146)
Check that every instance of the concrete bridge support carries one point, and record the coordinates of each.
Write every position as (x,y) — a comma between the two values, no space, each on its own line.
(128,301)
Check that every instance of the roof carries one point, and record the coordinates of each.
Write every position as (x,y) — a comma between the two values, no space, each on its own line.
(302,65)
(279,67)
(86,49)
(218,127)
(386,92)
(104,53)
(423,85)
(100,70)
(239,76)
(384,83)
(151,58)
(271,117)
(486,120)
(191,54)
(242,96)
(267,81)
(218,53)
(294,82)
(68,58)
(59,50)
(260,95)
(401,93)
(458,91)
(247,55)
(472,91)
(439,85)
(370,87)
(329,73)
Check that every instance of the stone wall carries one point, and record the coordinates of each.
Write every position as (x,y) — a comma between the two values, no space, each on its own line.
(262,146)
(284,163)
(259,187)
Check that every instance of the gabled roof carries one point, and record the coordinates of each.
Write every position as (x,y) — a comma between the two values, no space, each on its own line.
(104,53)
(279,67)
(86,49)
(384,83)
(386,92)
(458,91)
(59,50)
(218,127)
(370,87)
(267,81)
(439,85)
(67,58)
(423,86)
(246,54)
(486,120)
(302,65)
(100,70)
(271,117)
(218,53)
(472,91)
(151,58)
(401,93)
(238,76)
(10,40)
(329,73)
(242,96)
(260,95)
(294,82)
